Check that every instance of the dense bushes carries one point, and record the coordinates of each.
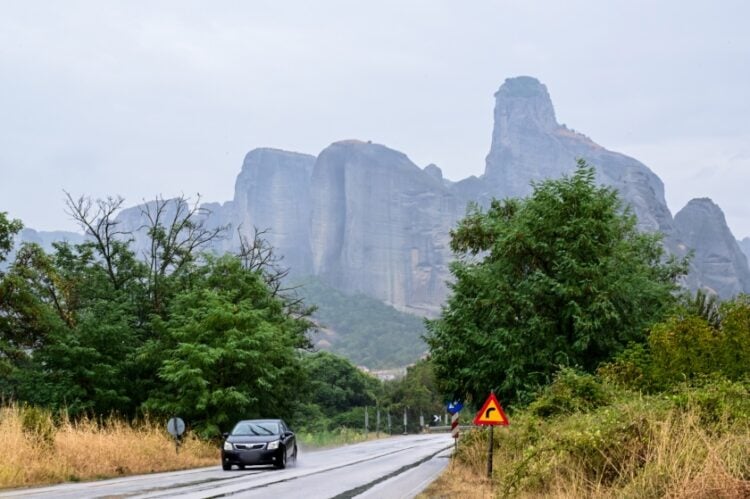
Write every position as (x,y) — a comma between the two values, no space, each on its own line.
(668,417)
(622,443)
(687,347)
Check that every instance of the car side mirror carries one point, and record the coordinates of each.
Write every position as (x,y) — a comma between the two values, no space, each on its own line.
(225,435)
(288,433)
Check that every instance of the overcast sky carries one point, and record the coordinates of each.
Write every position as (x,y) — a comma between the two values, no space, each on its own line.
(166,97)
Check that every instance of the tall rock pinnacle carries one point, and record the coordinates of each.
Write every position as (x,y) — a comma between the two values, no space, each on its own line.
(529,145)
(718,263)
(523,105)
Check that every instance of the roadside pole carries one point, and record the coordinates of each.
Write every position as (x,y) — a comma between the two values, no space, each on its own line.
(377,423)
(453,408)
(491,414)
(454,429)
(367,422)
(489,455)
(405,422)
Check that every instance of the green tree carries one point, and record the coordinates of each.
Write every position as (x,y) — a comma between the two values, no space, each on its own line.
(82,359)
(562,278)
(228,349)
(336,385)
(8,231)
(417,393)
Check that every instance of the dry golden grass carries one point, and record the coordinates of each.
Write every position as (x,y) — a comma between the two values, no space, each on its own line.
(459,481)
(71,451)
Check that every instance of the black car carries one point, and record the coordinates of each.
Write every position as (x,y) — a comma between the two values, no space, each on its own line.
(258,441)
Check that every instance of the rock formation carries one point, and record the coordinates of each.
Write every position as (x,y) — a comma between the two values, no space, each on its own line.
(745,246)
(366,219)
(380,225)
(529,145)
(272,193)
(718,263)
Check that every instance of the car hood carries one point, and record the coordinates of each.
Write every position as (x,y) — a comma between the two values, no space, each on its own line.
(254,439)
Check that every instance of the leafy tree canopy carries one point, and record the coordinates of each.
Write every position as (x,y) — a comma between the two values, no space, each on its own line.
(562,278)
(228,350)
(8,231)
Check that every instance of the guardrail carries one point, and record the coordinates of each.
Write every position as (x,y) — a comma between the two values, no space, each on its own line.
(447,429)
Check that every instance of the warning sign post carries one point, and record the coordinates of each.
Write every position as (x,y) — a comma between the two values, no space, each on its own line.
(491,414)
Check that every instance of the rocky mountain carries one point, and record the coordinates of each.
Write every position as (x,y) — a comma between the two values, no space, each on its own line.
(528,144)
(46,238)
(43,239)
(718,264)
(273,192)
(745,246)
(364,218)
(380,225)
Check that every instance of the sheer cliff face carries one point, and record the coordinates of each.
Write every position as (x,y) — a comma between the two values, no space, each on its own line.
(529,145)
(380,225)
(745,246)
(272,193)
(366,219)
(719,263)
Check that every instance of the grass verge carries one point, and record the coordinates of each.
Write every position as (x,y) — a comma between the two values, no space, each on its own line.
(40,449)
(335,438)
(693,442)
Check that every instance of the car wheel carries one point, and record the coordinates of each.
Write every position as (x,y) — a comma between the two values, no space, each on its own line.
(282,460)
(226,467)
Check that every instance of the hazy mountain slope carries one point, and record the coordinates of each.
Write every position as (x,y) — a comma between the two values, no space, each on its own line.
(363,329)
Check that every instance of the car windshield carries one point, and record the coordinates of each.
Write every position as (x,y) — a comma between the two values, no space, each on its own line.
(256,428)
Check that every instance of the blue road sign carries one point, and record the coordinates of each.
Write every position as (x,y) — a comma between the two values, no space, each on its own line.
(454,407)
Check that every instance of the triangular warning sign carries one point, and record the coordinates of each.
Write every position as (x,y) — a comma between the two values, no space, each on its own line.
(491,413)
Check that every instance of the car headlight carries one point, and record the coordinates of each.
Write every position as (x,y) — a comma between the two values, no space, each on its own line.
(228,446)
(273,445)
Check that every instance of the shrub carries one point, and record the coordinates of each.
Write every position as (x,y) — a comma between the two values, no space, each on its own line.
(631,369)
(38,424)
(719,402)
(571,391)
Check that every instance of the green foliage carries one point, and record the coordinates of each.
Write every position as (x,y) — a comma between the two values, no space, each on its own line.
(631,368)
(8,231)
(703,305)
(718,401)
(89,342)
(333,393)
(330,438)
(562,278)
(38,424)
(625,445)
(682,347)
(686,346)
(417,392)
(92,329)
(228,350)
(336,385)
(570,392)
(364,329)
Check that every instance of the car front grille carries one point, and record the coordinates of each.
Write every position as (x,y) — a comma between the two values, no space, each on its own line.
(249,446)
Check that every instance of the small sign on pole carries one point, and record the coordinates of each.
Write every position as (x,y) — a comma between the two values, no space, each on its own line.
(491,414)
(454,408)
(176,427)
